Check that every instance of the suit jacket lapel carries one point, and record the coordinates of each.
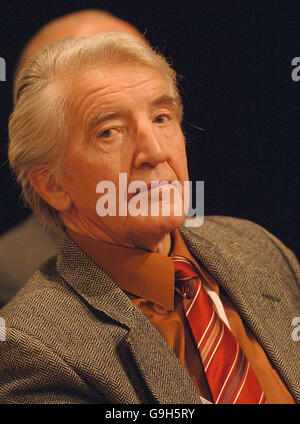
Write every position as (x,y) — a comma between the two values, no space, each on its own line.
(163,373)
(161,370)
(259,296)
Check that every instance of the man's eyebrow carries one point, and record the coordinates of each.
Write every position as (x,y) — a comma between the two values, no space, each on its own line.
(102,117)
(165,99)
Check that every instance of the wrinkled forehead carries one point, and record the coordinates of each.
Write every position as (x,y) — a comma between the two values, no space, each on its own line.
(104,82)
(105,78)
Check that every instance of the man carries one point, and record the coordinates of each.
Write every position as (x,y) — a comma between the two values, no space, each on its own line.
(118,316)
(29,244)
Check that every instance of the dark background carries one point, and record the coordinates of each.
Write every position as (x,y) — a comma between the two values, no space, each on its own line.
(235,59)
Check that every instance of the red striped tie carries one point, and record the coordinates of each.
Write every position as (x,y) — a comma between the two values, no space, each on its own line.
(228,372)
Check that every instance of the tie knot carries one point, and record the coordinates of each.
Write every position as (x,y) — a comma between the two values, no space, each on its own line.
(184,268)
(184,274)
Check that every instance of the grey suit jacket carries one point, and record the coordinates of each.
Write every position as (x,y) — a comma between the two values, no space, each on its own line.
(72,336)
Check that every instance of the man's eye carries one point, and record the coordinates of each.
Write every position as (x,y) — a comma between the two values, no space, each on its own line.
(107,133)
(160,119)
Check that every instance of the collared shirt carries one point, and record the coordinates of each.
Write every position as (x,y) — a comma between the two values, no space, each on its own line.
(148,280)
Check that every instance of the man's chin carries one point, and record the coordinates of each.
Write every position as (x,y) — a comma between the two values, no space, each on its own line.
(148,231)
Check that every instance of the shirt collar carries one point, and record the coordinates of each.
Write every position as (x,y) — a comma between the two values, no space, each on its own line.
(142,273)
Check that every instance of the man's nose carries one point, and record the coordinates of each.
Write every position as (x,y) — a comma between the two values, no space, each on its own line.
(150,149)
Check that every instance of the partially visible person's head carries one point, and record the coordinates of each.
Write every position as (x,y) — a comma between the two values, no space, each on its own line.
(59,100)
(82,23)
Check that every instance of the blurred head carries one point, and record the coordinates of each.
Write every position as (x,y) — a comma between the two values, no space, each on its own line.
(78,24)
(87,110)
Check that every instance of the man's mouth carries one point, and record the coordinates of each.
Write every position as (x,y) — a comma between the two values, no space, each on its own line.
(151,187)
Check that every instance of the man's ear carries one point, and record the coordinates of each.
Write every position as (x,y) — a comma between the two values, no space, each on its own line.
(47,187)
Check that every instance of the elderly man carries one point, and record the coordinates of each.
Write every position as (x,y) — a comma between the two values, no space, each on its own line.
(29,244)
(135,308)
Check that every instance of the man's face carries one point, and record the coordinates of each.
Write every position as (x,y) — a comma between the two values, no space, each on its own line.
(123,120)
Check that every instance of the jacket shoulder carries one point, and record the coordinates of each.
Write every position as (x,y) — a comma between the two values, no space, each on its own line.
(44,301)
(221,228)
(247,239)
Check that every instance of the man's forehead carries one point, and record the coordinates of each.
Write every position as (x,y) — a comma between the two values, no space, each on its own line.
(111,80)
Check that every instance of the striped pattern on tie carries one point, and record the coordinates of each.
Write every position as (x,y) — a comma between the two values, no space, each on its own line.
(228,372)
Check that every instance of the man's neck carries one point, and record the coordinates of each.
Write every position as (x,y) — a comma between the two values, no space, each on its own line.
(162,246)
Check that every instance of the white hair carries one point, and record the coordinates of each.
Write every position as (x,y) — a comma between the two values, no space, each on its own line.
(38,126)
